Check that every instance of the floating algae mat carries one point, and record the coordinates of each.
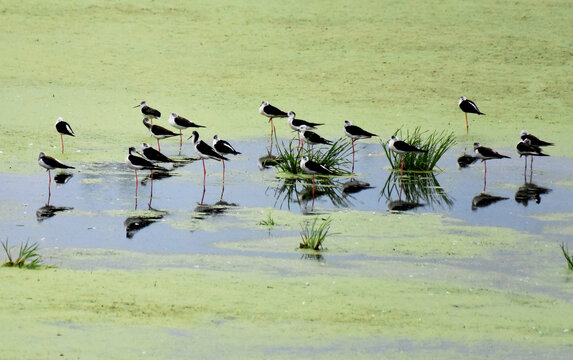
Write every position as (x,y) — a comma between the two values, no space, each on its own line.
(419,266)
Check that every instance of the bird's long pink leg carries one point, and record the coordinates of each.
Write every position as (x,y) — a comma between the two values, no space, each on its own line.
(49,183)
(158,146)
(313,186)
(467,125)
(62,138)
(223,171)
(180,139)
(151,177)
(484,174)
(525,170)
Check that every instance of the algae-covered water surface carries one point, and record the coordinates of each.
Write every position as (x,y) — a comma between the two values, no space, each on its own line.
(422,265)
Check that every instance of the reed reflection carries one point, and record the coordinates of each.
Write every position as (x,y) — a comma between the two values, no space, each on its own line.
(412,190)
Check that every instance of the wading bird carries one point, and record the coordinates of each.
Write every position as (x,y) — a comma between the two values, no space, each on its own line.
(181,123)
(158,132)
(154,155)
(468,106)
(526,148)
(313,168)
(401,148)
(485,153)
(205,151)
(355,133)
(64,129)
(223,148)
(271,112)
(136,162)
(311,137)
(50,163)
(295,124)
(148,111)
(534,140)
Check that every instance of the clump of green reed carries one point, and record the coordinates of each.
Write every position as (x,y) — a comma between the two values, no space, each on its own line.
(313,234)
(269,221)
(28,256)
(567,256)
(334,157)
(437,143)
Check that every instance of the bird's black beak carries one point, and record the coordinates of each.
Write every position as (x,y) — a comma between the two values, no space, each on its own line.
(138,105)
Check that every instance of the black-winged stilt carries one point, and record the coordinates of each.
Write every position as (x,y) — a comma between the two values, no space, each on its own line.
(136,162)
(158,132)
(224,148)
(153,155)
(485,153)
(295,124)
(182,123)
(64,129)
(271,112)
(401,148)
(311,137)
(310,167)
(313,168)
(526,148)
(205,151)
(468,106)
(50,163)
(148,111)
(355,133)
(535,141)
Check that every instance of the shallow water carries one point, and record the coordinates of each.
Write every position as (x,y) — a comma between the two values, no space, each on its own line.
(97,206)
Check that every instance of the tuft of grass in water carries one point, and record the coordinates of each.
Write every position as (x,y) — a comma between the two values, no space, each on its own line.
(269,222)
(437,143)
(28,256)
(567,256)
(334,158)
(313,235)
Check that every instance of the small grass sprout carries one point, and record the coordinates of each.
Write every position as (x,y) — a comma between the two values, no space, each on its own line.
(269,222)
(567,256)
(314,234)
(28,256)
(437,143)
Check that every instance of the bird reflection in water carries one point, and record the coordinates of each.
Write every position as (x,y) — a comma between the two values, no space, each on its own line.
(483,200)
(354,186)
(143,219)
(47,211)
(63,178)
(530,192)
(466,160)
(300,191)
(267,161)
